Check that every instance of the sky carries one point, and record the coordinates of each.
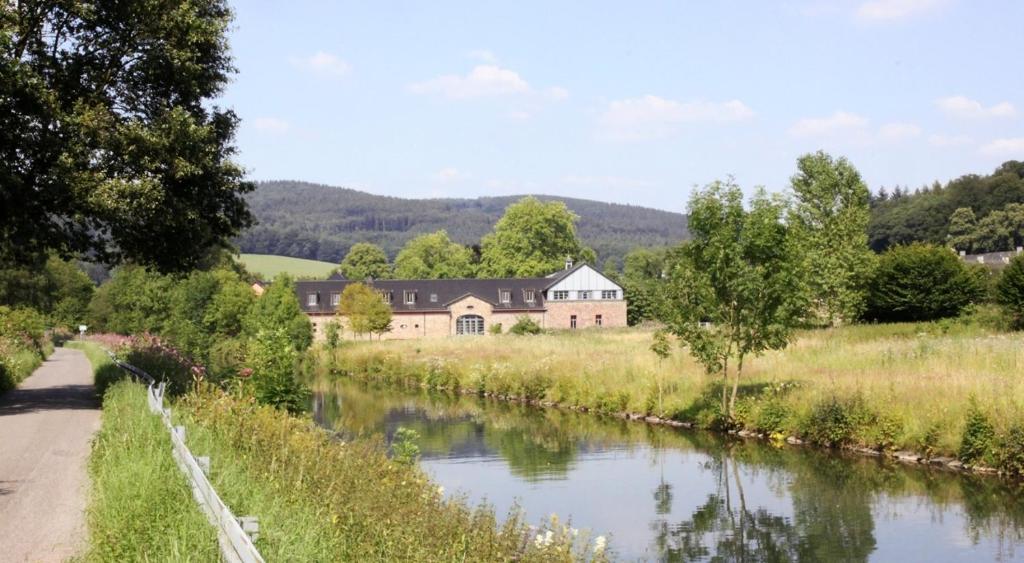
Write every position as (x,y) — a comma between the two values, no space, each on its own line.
(626,102)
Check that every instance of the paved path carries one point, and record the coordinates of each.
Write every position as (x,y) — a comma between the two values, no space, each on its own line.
(45,428)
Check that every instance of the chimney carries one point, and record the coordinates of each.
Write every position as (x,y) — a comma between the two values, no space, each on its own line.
(568,263)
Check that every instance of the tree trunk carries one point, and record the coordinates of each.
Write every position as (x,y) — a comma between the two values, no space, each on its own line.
(725,384)
(735,387)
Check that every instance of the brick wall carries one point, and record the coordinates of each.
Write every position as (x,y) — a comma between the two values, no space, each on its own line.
(613,313)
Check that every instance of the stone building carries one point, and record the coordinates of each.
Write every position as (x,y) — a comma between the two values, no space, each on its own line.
(575,298)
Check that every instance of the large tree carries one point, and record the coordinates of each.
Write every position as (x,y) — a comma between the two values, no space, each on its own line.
(110,144)
(365,261)
(278,308)
(831,214)
(365,311)
(433,256)
(532,238)
(738,287)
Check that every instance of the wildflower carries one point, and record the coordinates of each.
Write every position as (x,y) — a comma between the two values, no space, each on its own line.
(599,545)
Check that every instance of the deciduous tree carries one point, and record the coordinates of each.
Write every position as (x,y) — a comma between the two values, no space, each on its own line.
(434,256)
(110,142)
(365,261)
(366,312)
(278,307)
(831,215)
(532,238)
(1010,291)
(738,288)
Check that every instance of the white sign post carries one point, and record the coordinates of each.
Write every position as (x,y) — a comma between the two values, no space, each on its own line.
(81,329)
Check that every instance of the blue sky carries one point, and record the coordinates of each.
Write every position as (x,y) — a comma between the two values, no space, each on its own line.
(630,102)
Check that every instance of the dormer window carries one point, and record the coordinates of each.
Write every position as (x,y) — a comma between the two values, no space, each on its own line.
(386,296)
(335,299)
(410,297)
(312,299)
(529,296)
(505,296)
(433,298)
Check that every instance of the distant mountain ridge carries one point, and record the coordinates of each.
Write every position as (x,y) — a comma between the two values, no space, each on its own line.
(319,222)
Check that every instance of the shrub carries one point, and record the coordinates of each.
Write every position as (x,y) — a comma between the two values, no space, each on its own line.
(525,325)
(332,335)
(1010,291)
(1010,450)
(273,358)
(494,328)
(24,326)
(404,447)
(920,282)
(976,442)
(829,423)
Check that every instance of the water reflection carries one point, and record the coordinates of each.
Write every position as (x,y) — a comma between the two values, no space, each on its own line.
(668,495)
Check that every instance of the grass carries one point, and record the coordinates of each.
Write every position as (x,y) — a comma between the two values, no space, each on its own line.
(882,386)
(266,266)
(320,499)
(17,365)
(140,506)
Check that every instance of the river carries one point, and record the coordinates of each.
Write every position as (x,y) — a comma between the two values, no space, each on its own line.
(665,494)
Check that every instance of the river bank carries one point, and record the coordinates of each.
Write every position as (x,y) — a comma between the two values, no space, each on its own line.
(947,393)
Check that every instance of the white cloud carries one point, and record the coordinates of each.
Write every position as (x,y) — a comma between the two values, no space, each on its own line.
(653,117)
(451,174)
(898,131)
(557,93)
(271,124)
(483,80)
(890,10)
(482,55)
(322,64)
(945,141)
(962,106)
(838,122)
(1012,147)
(616,182)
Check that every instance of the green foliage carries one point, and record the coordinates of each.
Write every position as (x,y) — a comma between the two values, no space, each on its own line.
(978,436)
(58,289)
(1000,230)
(920,282)
(525,325)
(111,145)
(833,422)
(962,226)
(365,261)
(366,312)
(132,301)
(531,239)
(660,345)
(322,222)
(1009,291)
(279,308)
(495,328)
(24,326)
(742,274)
(332,334)
(404,447)
(140,507)
(433,256)
(273,359)
(1010,450)
(642,278)
(925,214)
(831,215)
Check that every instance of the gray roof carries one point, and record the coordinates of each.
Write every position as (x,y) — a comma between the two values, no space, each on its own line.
(995,260)
(431,295)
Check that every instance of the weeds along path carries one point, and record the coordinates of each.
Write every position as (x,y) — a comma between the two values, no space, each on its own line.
(46,425)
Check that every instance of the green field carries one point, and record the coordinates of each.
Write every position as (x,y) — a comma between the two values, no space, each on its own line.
(266,266)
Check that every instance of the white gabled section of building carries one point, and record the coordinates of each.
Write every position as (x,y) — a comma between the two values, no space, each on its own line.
(586,283)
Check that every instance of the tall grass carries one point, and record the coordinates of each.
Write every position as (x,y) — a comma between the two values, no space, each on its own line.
(320,499)
(885,386)
(140,506)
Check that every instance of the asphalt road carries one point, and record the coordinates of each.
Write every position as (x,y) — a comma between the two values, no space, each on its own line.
(45,428)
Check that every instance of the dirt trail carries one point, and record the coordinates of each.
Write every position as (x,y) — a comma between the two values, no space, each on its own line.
(45,428)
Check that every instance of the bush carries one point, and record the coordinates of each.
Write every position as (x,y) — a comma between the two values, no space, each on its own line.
(1010,450)
(494,328)
(976,442)
(920,282)
(1010,291)
(273,360)
(332,334)
(525,325)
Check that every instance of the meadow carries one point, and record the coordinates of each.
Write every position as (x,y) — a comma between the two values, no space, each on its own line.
(886,386)
(266,266)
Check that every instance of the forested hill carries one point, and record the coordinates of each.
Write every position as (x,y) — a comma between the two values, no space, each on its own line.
(320,222)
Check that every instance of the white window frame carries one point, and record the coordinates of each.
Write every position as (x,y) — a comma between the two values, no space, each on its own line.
(433,298)
(386,296)
(409,297)
(609,294)
(462,323)
(559,295)
(505,295)
(583,295)
(335,299)
(312,300)
(529,296)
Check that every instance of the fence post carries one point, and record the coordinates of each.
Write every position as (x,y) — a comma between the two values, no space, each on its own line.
(204,464)
(251,526)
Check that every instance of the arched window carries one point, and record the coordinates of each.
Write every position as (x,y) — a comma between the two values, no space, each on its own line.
(469,324)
